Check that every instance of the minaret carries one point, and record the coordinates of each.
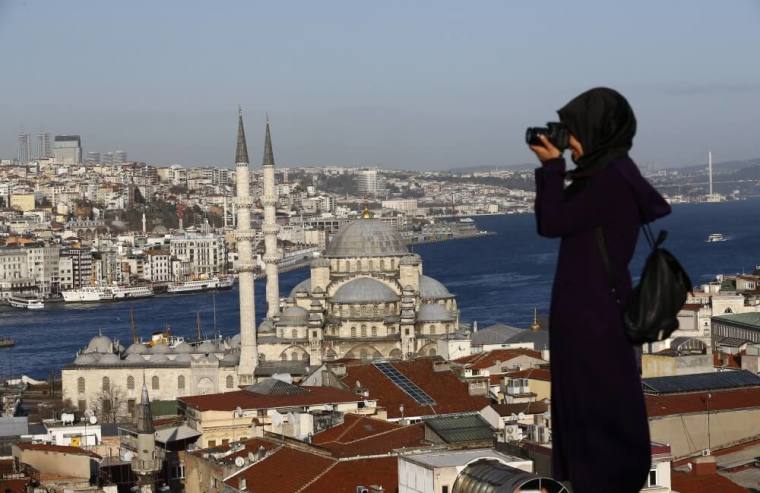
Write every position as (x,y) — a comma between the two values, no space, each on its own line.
(269,228)
(249,355)
(148,460)
(143,223)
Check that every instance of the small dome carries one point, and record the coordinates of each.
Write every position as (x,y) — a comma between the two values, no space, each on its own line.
(366,238)
(207,347)
(99,344)
(231,358)
(183,348)
(431,289)
(160,349)
(183,358)
(137,348)
(433,312)
(301,287)
(134,358)
(86,359)
(235,340)
(364,290)
(158,358)
(109,359)
(211,358)
(264,327)
(293,315)
(119,347)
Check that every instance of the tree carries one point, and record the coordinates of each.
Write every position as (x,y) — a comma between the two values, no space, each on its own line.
(109,403)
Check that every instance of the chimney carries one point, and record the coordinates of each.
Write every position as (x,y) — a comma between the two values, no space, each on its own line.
(704,466)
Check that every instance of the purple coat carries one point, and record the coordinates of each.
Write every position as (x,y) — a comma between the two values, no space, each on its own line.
(600,432)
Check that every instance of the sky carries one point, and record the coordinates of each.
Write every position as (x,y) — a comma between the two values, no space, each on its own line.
(419,85)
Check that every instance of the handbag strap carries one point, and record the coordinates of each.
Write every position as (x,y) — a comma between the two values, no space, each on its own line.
(611,279)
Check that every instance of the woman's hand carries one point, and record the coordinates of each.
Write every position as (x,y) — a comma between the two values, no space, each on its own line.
(546,151)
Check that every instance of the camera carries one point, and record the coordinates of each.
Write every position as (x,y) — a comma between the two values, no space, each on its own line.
(556,132)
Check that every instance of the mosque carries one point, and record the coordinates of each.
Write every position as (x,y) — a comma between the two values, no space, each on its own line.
(366,298)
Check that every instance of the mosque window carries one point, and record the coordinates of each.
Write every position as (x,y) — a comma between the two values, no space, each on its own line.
(80,385)
(283,357)
(433,329)
(131,382)
(305,356)
(293,356)
(294,334)
(106,384)
(154,383)
(363,354)
(230,381)
(374,331)
(431,352)
(353,334)
(181,382)
(364,331)
(382,264)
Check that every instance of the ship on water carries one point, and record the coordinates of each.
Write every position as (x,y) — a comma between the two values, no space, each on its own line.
(26,303)
(95,294)
(215,282)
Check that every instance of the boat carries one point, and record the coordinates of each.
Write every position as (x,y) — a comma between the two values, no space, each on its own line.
(26,303)
(715,237)
(6,341)
(94,294)
(200,285)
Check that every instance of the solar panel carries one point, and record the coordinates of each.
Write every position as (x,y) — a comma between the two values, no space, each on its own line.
(405,384)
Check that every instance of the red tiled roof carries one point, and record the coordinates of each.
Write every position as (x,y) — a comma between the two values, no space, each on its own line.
(532,373)
(285,471)
(668,405)
(691,307)
(412,436)
(488,359)
(691,483)
(249,446)
(344,477)
(536,407)
(450,394)
(354,427)
(18,485)
(248,400)
(61,449)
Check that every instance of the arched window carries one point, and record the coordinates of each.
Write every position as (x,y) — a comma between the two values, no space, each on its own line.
(432,352)
(80,385)
(229,381)
(283,357)
(181,382)
(305,356)
(364,331)
(154,383)
(382,264)
(353,331)
(374,331)
(294,334)
(293,356)
(131,382)
(433,329)
(106,384)
(363,354)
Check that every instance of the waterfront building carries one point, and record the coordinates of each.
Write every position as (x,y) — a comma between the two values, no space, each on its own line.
(81,266)
(205,252)
(67,149)
(157,266)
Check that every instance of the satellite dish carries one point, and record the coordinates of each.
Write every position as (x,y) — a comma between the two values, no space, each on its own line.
(239,461)
(251,457)
(521,415)
(93,420)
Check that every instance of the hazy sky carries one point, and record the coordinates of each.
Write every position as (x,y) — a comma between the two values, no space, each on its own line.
(400,84)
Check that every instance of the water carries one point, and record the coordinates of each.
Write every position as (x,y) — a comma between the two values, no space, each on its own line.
(498,278)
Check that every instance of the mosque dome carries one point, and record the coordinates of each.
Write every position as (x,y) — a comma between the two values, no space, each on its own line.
(431,289)
(293,315)
(183,358)
(134,358)
(158,359)
(137,348)
(86,359)
(160,349)
(235,340)
(264,327)
(301,287)
(364,290)
(109,359)
(211,358)
(231,358)
(433,312)
(99,344)
(207,347)
(366,238)
(183,348)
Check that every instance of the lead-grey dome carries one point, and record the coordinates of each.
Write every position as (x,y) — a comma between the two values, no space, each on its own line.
(86,359)
(366,238)
(99,344)
(293,315)
(109,359)
(134,358)
(160,348)
(183,348)
(137,348)
(207,347)
(431,289)
(364,290)
(158,358)
(301,287)
(434,313)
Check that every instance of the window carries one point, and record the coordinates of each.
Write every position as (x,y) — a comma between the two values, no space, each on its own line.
(445,489)
(131,382)
(363,354)
(82,405)
(181,382)
(154,383)
(283,357)
(225,441)
(80,385)
(433,329)
(374,331)
(229,381)
(652,479)
(293,356)
(364,331)
(294,334)
(406,331)
(106,384)
(212,443)
(305,356)
(131,406)
(353,334)
(314,334)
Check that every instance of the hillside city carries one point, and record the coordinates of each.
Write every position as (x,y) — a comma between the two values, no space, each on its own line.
(362,379)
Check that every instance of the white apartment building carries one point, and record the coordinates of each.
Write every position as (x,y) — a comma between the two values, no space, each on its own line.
(206,253)
(157,266)
(42,264)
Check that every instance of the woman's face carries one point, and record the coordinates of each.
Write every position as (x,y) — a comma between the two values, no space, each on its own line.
(576,147)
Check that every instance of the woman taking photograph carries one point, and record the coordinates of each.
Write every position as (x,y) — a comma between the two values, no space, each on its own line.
(600,432)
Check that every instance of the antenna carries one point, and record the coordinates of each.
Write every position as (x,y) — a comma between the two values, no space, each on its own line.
(132,325)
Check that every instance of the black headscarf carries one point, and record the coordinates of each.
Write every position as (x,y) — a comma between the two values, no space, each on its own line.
(603,121)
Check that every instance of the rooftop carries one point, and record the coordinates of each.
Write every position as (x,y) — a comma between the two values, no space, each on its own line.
(366,238)
(460,429)
(750,320)
(697,402)
(732,379)
(452,458)
(245,399)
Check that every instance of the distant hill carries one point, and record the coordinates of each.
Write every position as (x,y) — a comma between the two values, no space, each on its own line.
(722,167)
(483,168)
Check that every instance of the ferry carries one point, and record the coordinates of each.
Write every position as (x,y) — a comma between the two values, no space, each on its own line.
(27,303)
(200,285)
(6,341)
(715,237)
(94,294)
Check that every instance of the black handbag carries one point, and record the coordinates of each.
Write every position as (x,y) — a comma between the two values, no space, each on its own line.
(651,312)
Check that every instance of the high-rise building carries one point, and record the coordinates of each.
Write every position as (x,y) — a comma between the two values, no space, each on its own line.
(92,157)
(67,149)
(369,182)
(43,146)
(119,157)
(24,148)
